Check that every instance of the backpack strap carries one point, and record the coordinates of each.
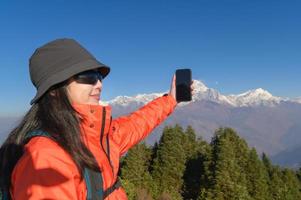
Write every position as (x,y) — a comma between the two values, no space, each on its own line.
(4,194)
(37,133)
(94,184)
(111,189)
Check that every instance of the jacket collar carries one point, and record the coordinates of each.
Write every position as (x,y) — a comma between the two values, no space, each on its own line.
(95,120)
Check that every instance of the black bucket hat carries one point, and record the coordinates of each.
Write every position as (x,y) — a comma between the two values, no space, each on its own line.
(59,60)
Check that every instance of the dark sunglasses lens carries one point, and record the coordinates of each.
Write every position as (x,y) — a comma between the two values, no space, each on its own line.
(89,77)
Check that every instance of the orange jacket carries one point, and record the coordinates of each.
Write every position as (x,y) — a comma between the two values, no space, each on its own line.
(46,171)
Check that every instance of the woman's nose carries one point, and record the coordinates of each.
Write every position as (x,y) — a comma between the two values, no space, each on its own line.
(98,84)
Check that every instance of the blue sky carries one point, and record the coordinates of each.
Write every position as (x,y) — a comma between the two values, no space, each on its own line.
(232,46)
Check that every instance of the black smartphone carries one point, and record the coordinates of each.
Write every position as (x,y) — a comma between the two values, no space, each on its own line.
(183,81)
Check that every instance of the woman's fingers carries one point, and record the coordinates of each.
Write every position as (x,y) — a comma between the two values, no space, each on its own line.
(173,87)
(192,88)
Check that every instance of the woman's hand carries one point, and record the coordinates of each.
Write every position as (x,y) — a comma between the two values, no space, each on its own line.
(172,91)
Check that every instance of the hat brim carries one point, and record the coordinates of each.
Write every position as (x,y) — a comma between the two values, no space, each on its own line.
(68,73)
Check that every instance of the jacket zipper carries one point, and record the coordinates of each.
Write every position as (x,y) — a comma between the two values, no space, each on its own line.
(101,137)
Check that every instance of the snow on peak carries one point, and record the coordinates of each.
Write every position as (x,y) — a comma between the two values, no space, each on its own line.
(259,92)
(139,98)
(145,98)
(255,97)
(199,86)
(202,92)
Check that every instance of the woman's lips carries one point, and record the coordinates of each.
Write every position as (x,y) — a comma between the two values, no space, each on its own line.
(95,97)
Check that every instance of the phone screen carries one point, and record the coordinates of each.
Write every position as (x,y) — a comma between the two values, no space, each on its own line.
(183,81)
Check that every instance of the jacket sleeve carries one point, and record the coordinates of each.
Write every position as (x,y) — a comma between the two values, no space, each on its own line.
(43,175)
(129,130)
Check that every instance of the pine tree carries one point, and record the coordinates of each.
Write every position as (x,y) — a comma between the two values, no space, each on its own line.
(135,168)
(267,163)
(257,177)
(291,186)
(169,164)
(299,174)
(283,183)
(197,152)
(275,182)
(129,189)
(189,141)
(228,167)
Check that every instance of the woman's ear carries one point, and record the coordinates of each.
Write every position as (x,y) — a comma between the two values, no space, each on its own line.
(52,93)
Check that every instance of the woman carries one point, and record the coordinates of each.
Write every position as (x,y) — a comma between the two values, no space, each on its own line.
(82,133)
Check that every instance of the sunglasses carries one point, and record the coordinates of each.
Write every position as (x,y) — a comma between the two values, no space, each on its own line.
(88,77)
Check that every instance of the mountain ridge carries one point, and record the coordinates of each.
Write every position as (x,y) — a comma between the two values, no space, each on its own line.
(254,97)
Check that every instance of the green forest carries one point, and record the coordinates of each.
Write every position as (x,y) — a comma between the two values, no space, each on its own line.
(182,166)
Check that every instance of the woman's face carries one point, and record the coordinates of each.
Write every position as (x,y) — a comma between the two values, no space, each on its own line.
(82,93)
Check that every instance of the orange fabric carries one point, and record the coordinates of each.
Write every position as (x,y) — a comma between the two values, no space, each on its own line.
(46,171)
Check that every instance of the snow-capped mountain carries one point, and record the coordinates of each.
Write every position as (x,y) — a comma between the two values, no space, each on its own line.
(140,98)
(204,93)
(256,97)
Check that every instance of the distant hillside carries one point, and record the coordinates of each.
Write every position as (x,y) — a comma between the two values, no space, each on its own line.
(288,158)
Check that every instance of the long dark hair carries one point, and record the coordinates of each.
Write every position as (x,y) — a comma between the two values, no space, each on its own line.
(52,113)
